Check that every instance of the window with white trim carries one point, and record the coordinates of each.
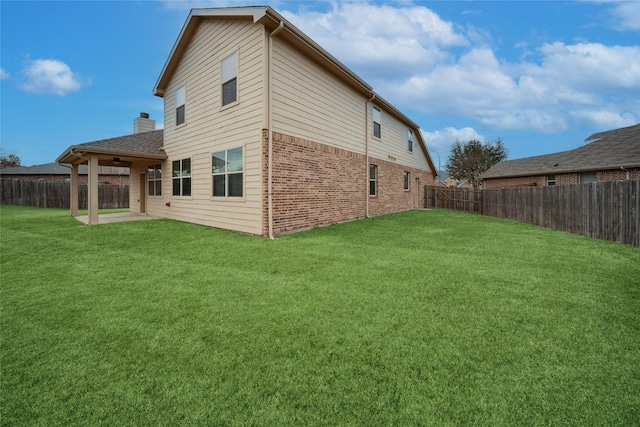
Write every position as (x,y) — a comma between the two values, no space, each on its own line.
(377,119)
(407,179)
(226,168)
(410,140)
(181,177)
(551,180)
(373,180)
(180,105)
(229,79)
(154,177)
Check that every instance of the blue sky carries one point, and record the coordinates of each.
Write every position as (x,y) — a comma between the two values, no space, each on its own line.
(540,75)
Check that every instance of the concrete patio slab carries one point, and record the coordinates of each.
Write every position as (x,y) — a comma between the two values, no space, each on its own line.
(115,217)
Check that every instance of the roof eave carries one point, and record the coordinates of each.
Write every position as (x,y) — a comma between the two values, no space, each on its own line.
(76,152)
(188,28)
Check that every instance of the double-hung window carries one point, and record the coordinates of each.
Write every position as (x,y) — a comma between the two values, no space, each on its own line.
(180,102)
(230,79)
(373,180)
(181,177)
(154,176)
(410,140)
(377,119)
(226,168)
(407,176)
(551,180)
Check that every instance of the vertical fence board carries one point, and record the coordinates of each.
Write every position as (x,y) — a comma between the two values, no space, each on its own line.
(56,194)
(603,210)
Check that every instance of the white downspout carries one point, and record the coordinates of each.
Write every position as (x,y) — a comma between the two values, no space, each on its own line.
(270,132)
(366,152)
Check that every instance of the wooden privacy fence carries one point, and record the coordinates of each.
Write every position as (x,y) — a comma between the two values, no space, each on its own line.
(461,199)
(603,210)
(55,194)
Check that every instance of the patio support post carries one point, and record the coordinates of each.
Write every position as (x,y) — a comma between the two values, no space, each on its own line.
(92,202)
(73,196)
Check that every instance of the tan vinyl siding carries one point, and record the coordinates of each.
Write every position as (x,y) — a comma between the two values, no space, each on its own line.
(210,127)
(310,103)
(393,144)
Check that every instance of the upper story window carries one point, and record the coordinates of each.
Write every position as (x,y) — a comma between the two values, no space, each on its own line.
(180,101)
(181,177)
(230,79)
(410,140)
(377,119)
(154,176)
(226,168)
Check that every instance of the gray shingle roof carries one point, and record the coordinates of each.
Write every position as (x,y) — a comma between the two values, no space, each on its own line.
(142,143)
(137,145)
(608,150)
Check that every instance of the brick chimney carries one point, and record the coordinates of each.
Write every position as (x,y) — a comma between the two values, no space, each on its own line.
(143,124)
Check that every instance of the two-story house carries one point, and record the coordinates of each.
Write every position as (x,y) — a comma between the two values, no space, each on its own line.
(265,133)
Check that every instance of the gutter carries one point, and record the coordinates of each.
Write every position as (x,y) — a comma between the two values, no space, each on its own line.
(270,131)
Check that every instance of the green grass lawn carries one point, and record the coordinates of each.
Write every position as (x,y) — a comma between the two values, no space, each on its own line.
(420,318)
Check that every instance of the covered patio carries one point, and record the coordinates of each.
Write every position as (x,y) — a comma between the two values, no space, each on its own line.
(137,150)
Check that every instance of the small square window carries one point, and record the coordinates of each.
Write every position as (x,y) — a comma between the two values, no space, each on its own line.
(551,180)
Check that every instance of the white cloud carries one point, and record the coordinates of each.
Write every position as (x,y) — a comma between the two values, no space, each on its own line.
(421,62)
(3,74)
(50,77)
(398,40)
(439,142)
(627,15)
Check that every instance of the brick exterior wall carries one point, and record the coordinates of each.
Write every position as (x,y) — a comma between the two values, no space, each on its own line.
(316,184)
(391,195)
(561,178)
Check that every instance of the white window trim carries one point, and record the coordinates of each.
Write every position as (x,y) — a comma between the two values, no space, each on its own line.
(410,141)
(222,82)
(244,175)
(176,106)
(406,180)
(154,180)
(373,122)
(190,196)
(374,180)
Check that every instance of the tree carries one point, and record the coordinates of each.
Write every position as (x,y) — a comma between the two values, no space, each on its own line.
(469,160)
(8,160)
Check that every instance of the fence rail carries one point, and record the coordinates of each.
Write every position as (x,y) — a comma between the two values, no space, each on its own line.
(55,194)
(604,210)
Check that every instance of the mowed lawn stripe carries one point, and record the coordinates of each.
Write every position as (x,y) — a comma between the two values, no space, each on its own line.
(419,318)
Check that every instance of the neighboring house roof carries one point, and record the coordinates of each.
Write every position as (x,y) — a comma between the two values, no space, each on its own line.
(608,150)
(57,169)
(119,150)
